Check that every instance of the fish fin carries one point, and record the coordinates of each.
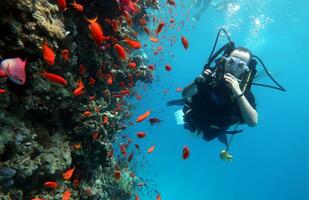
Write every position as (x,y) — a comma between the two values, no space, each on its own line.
(92,20)
(176,102)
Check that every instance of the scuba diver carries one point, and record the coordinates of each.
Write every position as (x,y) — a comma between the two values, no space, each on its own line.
(221,96)
(202,6)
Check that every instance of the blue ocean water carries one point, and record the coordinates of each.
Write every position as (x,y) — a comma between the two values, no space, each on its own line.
(270,161)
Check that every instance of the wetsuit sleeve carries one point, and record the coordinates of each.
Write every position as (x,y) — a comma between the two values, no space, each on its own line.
(251,99)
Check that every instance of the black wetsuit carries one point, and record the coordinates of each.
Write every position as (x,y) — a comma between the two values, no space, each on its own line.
(213,110)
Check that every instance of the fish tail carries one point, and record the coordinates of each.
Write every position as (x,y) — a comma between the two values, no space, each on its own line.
(92,20)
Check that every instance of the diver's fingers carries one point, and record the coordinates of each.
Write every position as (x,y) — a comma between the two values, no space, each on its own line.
(207,72)
(230,75)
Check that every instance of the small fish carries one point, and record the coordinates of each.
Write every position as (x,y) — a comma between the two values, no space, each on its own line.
(133,43)
(48,54)
(168,68)
(160,27)
(65,54)
(91,81)
(66,195)
(54,78)
(130,157)
(96,31)
(15,69)
(105,119)
(82,69)
(132,65)
(76,183)
(128,6)
(95,136)
(147,30)
(36,198)
(62,4)
(158,197)
(80,89)
(68,174)
(185,42)
(143,116)
(151,149)
(87,114)
(120,51)
(2,91)
(151,67)
(78,7)
(137,146)
(185,152)
(117,174)
(141,134)
(123,149)
(171,2)
(154,39)
(178,89)
(51,184)
(136,197)
(154,121)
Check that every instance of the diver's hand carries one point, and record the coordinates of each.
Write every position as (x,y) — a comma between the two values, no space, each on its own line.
(232,83)
(202,78)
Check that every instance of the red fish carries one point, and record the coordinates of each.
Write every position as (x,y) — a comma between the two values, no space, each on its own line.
(51,184)
(141,134)
(151,67)
(123,149)
(96,31)
(48,54)
(120,51)
(151,149)
(154,121)
(87,113)
(133,43)
(2,91)
(136,197)
(78,7)
(160,27)
(168,68)
(178,89)
(65,54)
(185,152)
(91,81)
(185,42)
(147,30)
(130,157)
(171,2)
(158,197)
(68,174)
(66,195)
(143,116)
(117,174)
(62,4)
(128,6)
(54,78)
(154,39)
(80,89)
(132,65)
(81,69)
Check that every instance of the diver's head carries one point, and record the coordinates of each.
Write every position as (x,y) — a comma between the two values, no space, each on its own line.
(237,62)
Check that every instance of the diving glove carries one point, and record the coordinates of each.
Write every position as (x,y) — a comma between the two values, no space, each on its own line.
(225,156)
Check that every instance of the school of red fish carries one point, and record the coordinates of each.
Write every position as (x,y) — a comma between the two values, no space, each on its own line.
(15,70)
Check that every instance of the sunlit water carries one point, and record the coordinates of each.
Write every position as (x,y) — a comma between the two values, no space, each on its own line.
(271,160)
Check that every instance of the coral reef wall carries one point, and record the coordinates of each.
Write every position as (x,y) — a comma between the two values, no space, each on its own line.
(57,129)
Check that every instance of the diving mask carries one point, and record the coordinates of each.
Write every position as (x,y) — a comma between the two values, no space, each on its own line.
(236,66)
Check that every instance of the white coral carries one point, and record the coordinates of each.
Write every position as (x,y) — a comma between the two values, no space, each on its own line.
(43,11)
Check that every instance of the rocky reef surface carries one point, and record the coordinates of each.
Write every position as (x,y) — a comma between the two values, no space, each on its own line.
(48,131)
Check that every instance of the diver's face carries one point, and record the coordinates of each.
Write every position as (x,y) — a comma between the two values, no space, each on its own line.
(237,63)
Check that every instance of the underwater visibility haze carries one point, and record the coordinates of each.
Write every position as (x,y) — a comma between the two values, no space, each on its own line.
(85,88)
